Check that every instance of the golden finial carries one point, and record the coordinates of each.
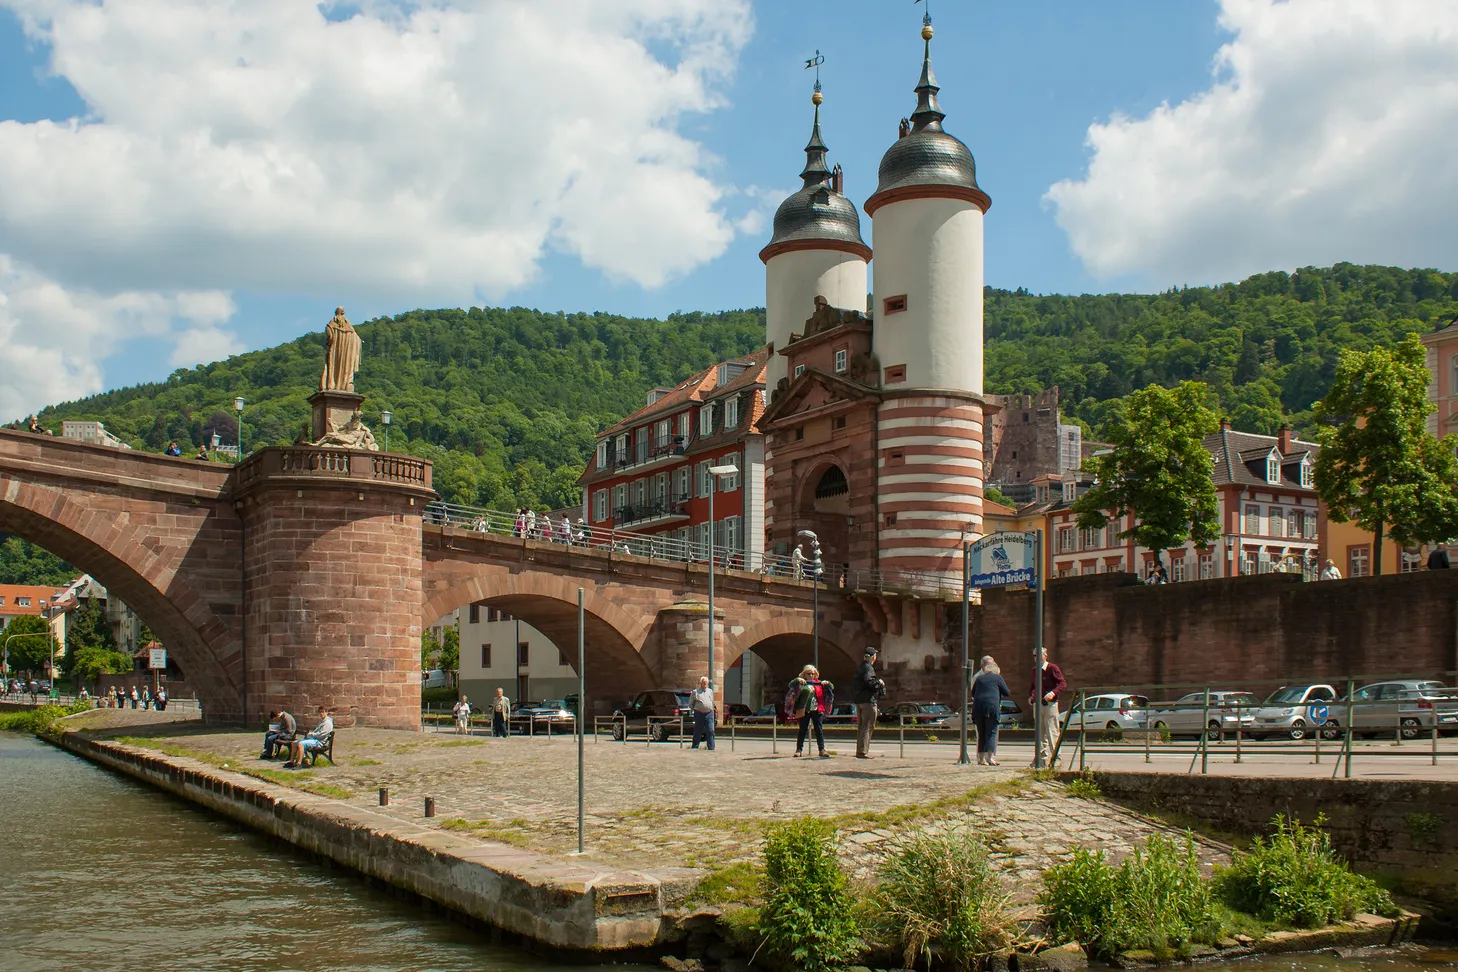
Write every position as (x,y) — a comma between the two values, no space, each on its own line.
(926,32)
(815,62)
(816,99)
(926,27)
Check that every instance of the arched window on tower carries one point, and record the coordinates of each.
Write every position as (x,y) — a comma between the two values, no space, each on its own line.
(831,484)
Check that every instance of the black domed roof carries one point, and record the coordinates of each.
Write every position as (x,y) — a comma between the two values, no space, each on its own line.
(819,211)
(927,155)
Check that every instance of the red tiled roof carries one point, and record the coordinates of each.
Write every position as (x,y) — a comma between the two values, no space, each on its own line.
(698,388)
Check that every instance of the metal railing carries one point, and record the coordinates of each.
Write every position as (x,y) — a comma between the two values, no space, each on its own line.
(1212,727)
(663,547)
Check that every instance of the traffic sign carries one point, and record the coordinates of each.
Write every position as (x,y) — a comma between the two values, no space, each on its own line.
(1000,559)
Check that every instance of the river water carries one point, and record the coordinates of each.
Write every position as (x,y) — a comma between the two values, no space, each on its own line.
(99,872)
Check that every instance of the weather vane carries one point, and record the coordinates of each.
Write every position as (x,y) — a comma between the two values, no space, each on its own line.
(926,17)
(815,63)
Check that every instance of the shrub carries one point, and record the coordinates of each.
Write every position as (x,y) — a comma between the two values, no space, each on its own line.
(939,894)
(1156,900)
(1085,786)
(39,719)
(807,918)
(1293,877)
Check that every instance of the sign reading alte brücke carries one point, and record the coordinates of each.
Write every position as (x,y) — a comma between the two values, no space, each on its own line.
(1001,559)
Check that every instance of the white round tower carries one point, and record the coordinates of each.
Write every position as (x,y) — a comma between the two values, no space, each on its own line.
(927,216)
(816,251)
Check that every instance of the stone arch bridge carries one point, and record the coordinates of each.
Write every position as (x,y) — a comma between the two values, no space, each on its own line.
(304,577)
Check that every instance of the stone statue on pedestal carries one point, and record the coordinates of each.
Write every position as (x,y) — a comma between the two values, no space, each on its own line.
(341,354)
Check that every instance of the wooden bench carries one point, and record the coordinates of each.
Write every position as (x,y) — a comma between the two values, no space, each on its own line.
(326,750)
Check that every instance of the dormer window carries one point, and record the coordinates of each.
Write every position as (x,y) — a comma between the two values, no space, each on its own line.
(1070,491)
(1306,473)
(623,449)
(706,420)
(1273,467)
(731,413)
(602,454)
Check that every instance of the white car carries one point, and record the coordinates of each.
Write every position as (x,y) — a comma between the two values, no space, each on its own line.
(1114,710)
(1295,711)
(435,678)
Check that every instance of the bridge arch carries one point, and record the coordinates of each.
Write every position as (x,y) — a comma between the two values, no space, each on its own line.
(786,644)
(142,567)
(615,638)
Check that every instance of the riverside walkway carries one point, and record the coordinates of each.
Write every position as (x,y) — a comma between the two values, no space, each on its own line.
(661,806)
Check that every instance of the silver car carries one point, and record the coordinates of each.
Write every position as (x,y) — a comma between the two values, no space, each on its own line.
(1295,711)
(1229,712)
(1411,706)
(1114,710)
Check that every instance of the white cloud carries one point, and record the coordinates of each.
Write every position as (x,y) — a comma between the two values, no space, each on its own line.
(1328,134)
(55,338)
(435,148)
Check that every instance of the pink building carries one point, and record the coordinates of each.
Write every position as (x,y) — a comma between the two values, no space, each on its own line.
(1442,346)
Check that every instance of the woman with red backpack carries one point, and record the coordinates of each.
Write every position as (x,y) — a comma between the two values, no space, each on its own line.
(809,698)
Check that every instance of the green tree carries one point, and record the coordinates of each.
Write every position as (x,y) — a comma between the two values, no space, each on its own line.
(450,650)
(27,654)
(22,562)
(429,649)
(1379,465)
(89,637)
(1158,469)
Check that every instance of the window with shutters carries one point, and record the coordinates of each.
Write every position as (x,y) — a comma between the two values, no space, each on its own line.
(685,426)
(731,413)
(640,452)
(640,493)
(702,478)
(620,498)
(1067,539)
(682,485)
(602,454)
(1359,561)
(1253,520)
(1090,538)
(1278,522)
(600,505)
(706,420)
(622,449)
(661,432)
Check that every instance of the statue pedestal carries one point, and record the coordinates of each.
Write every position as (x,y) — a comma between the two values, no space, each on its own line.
(332,410)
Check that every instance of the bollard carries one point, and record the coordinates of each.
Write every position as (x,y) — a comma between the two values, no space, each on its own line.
(384,796)
(1239,729)
(1435,737)
(680,730)
(902,732)
(1205,742)
(430,806)
(732,723)
(1082,732)
(775,734)
(1148,730)
(1351,688)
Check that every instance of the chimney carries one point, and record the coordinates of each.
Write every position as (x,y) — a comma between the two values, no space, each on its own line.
(1283,439)
(1225,425)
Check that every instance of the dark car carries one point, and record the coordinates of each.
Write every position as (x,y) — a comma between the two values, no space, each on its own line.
(737,710)
(843,714)
(918,713)
(666,704)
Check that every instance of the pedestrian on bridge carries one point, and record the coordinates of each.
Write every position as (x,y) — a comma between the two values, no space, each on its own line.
(519,529)
(566,529)
(531,524)
(703,706)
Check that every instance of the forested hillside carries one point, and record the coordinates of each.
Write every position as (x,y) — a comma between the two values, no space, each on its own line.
(507,401)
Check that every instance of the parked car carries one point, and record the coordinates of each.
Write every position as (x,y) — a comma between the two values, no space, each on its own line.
(1412,706)
(435,678)
(666,703)
(1229,711)
(918,713)
(736,710)
(1113,710)
(548,716)
(1296,710)
(1009,715)
(842,714)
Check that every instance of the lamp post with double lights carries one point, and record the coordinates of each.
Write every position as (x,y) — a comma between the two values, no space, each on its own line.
(817,567)
(727,469)
(385,417)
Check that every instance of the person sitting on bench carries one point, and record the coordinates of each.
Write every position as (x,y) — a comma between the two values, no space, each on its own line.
(317,738)
(281,731)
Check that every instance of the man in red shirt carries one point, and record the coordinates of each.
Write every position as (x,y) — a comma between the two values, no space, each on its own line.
(1053,686)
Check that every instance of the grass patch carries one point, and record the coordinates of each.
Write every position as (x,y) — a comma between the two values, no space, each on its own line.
(1085,787)
(741,883)
(939,894)
(1294,877)
(489,830)
(39,721)
(460,742)
(364,762)
(905,813)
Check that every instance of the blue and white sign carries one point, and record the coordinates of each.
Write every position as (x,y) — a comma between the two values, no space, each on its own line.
(1001,559)
(1318,714)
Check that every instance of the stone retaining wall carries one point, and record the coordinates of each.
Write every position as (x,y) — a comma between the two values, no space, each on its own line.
(547,903)
(1406,830)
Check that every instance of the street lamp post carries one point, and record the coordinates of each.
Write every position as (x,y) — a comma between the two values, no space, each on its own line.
(385,417)
(217,440)
(727,469)
(238,404)
(817,567)
(50,644)
(962,758)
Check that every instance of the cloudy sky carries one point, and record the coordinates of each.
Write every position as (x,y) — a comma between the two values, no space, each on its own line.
(184,180)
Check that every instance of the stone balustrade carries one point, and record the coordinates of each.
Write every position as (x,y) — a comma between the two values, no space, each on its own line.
(320,463)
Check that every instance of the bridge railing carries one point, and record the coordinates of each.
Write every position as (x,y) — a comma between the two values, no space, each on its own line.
(322,462)
(663,547)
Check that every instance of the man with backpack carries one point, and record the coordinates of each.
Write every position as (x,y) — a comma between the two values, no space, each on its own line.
(868,688)
(808,699)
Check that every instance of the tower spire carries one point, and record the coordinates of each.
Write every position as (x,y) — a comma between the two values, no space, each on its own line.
(815,172)
(928,114)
